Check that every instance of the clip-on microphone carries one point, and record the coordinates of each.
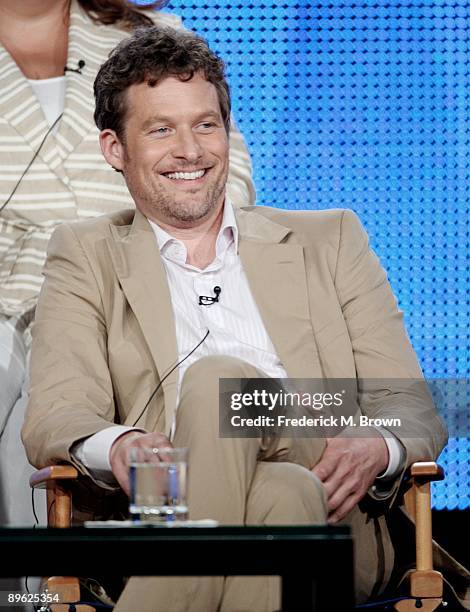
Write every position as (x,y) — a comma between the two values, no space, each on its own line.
(206,300)
(81,64)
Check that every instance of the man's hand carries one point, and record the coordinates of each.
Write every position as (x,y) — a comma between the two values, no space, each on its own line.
(119,454)
(347,469)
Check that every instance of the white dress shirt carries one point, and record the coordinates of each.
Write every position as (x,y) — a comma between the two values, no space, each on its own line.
(234,322)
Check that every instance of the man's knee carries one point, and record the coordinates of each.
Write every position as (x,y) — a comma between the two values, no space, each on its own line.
(301,492)
(219,366)
(286,493)
(200,385)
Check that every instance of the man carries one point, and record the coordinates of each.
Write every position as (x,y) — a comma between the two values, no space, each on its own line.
(301,296)
(47,114)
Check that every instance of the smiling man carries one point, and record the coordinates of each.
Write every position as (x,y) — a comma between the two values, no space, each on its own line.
(175,160)
(174,156)
(300,295)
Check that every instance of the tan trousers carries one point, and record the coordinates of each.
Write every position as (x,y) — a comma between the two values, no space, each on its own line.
(235,481)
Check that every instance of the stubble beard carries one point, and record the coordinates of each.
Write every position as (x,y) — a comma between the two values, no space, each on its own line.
(185,212)
(188,211)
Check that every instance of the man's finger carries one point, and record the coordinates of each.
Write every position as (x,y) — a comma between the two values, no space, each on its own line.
(326,466)
(152,440)
(345,508)
(334,467)
(120,452)
(334,483)
(342,493)
(122,476)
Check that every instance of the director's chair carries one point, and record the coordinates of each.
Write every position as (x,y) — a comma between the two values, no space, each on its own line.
(424,584)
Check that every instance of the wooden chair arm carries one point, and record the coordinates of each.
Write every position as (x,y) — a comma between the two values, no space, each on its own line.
(421,474)
(59,498)
(59,514)
(427,470)
(425,583)
(41,478)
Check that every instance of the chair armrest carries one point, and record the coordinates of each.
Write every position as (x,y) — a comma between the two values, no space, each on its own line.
(59,512)
(59,497)
(427,470)
(41,478)
(420,474)
(425,583)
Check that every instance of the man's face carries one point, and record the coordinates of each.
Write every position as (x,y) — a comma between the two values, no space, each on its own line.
(175,151)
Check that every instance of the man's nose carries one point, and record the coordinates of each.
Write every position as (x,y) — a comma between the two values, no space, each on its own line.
(187,146)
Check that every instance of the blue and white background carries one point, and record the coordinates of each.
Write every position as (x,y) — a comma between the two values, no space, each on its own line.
(366,105)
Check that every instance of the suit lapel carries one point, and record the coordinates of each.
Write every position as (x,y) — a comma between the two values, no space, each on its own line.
(277,276)
(90,42)
(77,119)
(20,108)
(142,275)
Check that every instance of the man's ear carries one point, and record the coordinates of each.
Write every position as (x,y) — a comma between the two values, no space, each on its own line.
(112,149)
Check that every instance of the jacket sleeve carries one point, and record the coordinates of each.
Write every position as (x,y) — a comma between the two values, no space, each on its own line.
(391,384)
(71,392)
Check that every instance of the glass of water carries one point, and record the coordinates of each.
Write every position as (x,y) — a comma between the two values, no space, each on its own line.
(158,484)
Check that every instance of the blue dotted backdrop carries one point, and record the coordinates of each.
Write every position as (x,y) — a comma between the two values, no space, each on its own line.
(365,105)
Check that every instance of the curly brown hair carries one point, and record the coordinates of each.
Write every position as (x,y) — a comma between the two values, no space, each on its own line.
(129,15)
(150,55)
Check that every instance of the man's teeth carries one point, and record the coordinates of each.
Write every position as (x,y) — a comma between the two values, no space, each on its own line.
(187,176)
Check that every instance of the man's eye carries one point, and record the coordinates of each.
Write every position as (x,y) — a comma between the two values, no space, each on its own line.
(159,130)
(207,125)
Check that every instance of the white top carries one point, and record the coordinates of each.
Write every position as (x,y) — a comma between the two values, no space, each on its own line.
(235,325)
(51,96)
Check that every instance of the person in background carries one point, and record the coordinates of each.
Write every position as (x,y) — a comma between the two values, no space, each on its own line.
(52,171)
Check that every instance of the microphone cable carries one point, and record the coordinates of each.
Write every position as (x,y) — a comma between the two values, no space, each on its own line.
(36,608)
(166,376)
(31,162)
(81,64)
(135,422)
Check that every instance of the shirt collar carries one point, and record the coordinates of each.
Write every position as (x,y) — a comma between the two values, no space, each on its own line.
(227,238)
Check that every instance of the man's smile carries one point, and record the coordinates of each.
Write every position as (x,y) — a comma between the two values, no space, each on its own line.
(176,173)
(185,177)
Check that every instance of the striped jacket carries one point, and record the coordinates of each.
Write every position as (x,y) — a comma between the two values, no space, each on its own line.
(69,180)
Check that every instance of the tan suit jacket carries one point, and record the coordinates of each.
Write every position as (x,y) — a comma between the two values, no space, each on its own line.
(105,330)
(105,334)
